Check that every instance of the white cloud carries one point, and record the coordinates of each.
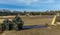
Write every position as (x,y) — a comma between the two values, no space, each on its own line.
(50,1)
(7,1)
(46,1)
(25,2)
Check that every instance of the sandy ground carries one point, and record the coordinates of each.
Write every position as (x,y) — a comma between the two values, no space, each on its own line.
(36,31)
(32,20)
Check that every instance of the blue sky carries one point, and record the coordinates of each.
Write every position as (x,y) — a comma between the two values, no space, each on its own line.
(30,5)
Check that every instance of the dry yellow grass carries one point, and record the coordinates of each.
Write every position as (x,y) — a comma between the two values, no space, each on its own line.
(35,31)
(32,20)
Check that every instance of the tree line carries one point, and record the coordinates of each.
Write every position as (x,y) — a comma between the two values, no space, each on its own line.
(8,12)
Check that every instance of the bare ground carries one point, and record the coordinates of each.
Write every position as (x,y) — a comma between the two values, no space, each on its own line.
(32,20)
(36,31)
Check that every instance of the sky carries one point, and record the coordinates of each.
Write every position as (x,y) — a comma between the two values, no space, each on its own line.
(30,5)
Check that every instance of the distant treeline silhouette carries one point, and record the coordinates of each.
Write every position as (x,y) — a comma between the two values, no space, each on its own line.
(8,12)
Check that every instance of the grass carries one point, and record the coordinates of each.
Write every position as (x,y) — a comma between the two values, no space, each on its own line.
(34,20)
(35,31)
(53,30)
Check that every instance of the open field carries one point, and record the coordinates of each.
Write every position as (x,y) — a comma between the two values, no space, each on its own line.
(35,31)
(32,20)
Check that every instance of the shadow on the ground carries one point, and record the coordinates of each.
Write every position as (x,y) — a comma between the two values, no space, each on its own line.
(34,26)
(28,27)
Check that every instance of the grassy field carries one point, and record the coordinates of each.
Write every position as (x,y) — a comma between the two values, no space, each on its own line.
(34,20)
(35,31)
